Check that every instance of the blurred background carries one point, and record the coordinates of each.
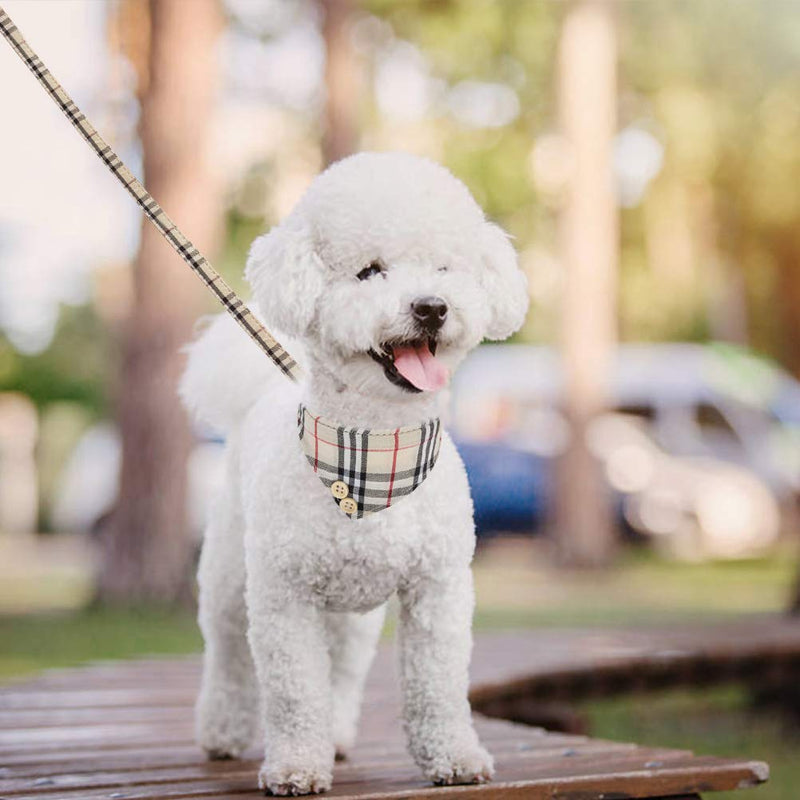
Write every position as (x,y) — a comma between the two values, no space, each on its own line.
(634,452)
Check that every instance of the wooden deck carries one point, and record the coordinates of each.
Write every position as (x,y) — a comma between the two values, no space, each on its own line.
(124,730)
(568,665)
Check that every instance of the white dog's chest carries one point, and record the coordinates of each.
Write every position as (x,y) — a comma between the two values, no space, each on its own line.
(355,581)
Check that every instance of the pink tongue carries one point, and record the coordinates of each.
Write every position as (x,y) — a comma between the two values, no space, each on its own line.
(419,366)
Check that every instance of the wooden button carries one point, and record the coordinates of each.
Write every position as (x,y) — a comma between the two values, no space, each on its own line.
(340,490)
(348,505)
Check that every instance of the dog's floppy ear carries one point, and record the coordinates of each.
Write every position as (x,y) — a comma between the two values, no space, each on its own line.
(505,283)
(287,277)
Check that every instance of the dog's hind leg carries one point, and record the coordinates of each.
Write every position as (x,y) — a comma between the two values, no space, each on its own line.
(352,640)
(226,715)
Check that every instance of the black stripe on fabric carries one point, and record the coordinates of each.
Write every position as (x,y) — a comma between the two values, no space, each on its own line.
(424,448)
(426,462)
(340,441)
(431,448)
(353,481)
(362,481)
(418,467)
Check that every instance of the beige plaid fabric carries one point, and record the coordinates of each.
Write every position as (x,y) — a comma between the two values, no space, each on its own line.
(168,229)
(368,470)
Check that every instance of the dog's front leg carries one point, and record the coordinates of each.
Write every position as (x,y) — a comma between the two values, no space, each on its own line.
(287,638)
(435,645)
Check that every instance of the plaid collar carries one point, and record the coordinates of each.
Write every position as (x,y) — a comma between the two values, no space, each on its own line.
(368,470)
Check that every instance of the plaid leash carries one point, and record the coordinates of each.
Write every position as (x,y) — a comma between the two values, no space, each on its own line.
(368,470)
(168,229)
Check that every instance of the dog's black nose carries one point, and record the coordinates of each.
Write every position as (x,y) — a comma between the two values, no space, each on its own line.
(430,312)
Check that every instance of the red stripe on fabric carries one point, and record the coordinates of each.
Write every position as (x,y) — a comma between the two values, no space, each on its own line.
(394,466)
(316,443)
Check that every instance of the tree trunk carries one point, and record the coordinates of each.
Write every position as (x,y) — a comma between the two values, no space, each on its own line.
(584,527)
(786,246)
(148,548)
(340,137)
(794,600)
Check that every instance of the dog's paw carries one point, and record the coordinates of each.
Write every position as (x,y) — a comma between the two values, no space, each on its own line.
(223,744)
(472,765)
(224,728)
(291,781)
(217,754)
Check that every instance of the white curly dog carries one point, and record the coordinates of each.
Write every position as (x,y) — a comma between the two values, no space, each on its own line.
(381,279)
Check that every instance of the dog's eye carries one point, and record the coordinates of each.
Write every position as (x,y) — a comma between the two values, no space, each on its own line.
(373,269)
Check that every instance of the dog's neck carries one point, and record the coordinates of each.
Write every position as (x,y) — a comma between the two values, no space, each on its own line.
(325,396)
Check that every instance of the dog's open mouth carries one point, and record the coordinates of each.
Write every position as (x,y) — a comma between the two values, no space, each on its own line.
(412,365)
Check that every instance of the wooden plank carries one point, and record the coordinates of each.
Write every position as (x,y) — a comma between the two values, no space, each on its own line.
(31,700)
(16,720)
(568,665)
(576,778)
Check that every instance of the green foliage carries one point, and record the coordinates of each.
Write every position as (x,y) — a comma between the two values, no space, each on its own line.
(75,367)
(505,42)
(718,82)
(241,230)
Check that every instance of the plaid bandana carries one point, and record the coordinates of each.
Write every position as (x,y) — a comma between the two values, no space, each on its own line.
(365,470)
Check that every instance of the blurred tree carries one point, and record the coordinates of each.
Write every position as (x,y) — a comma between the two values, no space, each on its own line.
(584,528)
(147,548)
(794,601)
(341,123)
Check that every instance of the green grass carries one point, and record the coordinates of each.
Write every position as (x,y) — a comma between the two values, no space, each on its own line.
(712,722)
(515,589)
(30,643)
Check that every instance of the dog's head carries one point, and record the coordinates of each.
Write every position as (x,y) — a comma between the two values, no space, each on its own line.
(390,272)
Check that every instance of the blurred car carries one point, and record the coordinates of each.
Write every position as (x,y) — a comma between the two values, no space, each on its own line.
(708,416)
(509,486)
(691,507)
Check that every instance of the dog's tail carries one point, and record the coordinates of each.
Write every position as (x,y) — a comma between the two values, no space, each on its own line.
(226,373)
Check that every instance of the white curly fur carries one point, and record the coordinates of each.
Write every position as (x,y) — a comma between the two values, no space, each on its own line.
(291,591)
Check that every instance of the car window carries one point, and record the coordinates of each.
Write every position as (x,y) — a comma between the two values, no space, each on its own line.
(710,419)
(640,410)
